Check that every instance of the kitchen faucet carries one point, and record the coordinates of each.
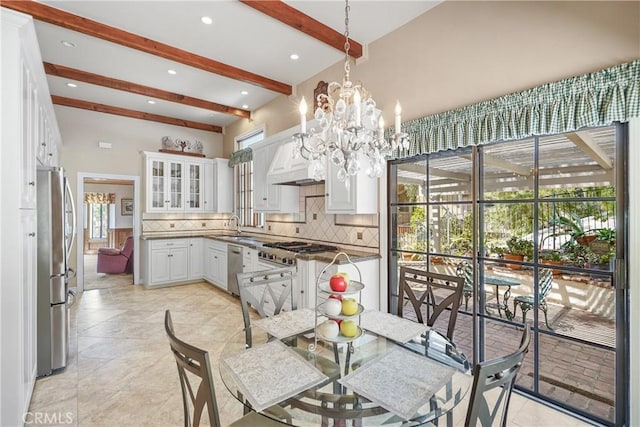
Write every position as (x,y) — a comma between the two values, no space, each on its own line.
(237,223)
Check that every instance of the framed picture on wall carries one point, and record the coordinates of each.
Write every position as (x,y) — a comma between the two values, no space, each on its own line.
(126,206)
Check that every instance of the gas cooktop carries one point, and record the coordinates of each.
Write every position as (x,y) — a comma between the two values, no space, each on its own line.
(300,247)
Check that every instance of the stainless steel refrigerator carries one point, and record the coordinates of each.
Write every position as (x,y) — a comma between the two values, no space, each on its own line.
(56,234)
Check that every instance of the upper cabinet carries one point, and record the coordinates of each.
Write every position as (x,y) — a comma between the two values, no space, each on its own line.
(174,183)
(359,196)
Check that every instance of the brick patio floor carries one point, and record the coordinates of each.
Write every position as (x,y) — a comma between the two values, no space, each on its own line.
(573,373)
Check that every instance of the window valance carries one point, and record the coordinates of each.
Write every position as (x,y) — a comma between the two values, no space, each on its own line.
(100,198)
(594,99)
(240,156)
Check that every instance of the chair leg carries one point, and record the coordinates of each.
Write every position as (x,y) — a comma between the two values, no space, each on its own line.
(466,301)
(543,307)
(524,313)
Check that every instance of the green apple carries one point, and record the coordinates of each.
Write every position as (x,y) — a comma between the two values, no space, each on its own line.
(348,328)
(349,306)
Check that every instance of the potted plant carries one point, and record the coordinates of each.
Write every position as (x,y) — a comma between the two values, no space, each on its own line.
(573,225)
(517,249)
(552,257)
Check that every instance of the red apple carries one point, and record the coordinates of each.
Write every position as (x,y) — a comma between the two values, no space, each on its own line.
(335,296)
(337,283)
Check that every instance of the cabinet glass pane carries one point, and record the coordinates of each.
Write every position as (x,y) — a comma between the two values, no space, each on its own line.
(157,182)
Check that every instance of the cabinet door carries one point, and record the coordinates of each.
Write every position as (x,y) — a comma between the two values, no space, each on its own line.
(194,185)
(196,258)
(28,268)
(179,264)
(160,266)
(28,154)
(209,188)
(221,272)
(338,196)
(156,185)
(261,162)
(175,185)
(209,263)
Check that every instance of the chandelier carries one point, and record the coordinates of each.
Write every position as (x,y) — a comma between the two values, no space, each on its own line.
(350,127)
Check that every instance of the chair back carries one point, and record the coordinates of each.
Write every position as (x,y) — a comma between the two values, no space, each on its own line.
(268,291)
(545,283)
(465,270)
(196,361)
(127,248)
(432,291)
(491,374)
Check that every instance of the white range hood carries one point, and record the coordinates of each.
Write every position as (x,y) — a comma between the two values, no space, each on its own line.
(285,170)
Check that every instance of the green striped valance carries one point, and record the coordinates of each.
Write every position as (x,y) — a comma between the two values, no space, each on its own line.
(594,99)
(240,156)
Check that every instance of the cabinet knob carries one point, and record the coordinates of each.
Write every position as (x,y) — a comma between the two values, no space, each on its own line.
(326,194)
(264,198)
(50,154)
(32,183)
(32,234)
(44,144)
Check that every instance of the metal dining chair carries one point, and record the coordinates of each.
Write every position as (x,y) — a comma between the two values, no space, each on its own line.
(500,372)
(196,361)
(526,303)
(435,292)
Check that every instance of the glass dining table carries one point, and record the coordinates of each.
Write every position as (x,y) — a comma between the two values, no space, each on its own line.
(373,380)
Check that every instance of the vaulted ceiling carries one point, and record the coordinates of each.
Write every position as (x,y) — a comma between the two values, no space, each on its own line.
(115,57)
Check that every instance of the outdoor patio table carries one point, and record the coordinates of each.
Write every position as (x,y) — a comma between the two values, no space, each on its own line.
(502,282)
(332,400)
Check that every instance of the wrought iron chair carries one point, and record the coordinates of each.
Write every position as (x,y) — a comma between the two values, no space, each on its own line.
(526,303)
(491,374)
(437,292)
(465,270)
(196,361)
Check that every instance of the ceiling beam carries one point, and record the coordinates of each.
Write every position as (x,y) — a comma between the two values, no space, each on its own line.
(96,79)
(590,147)
(101,108)
(441,173)
(58,17)
(279,10)
(499,163)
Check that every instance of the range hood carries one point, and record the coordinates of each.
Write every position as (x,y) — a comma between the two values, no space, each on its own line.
(285,170)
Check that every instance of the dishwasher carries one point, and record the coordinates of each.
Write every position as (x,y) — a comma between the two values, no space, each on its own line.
(234,265)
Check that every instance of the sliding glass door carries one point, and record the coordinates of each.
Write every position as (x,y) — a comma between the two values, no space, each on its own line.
(536,227)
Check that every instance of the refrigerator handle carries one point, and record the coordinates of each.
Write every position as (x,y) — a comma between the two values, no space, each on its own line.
(72,275)
(73,216)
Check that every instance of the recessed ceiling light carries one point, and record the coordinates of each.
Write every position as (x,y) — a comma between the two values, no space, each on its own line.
(67,43)
(245,106)
(206,20)
(72,85)
(172,72)
(244,92)
(151,102)
(294,56)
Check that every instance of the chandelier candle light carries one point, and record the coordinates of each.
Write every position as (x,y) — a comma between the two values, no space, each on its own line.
(349,124)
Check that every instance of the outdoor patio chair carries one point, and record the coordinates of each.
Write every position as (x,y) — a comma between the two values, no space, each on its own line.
(525,302)
(438,292)
(196,361)
(465,270)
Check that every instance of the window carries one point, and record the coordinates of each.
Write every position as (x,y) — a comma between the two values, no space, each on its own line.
(98,220)
(244,183)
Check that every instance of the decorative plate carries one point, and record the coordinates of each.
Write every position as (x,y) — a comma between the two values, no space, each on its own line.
(340,338)
(353,288)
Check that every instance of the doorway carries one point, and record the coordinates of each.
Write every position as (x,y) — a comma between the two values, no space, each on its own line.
(108,209)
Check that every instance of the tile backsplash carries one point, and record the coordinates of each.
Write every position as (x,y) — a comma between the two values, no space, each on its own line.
(359,232)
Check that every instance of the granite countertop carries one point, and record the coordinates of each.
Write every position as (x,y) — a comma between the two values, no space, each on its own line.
(255,241)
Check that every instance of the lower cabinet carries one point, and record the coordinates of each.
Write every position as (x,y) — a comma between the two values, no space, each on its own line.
(196,258)
(215,263)
(167,261)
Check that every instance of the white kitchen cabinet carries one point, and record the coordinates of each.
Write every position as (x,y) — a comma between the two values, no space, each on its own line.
(250,260)
(271,197)
(25,104)
(359,197)
(215,263)
(218,186)
(194,186)
(196,258)
(167,261)
(164,183)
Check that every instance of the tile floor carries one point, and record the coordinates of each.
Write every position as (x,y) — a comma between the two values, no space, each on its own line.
(121,372)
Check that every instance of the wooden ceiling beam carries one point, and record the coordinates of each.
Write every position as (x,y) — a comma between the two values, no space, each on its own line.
(101,108)
(279,10)
(590,147)
(96,79)
(58,17)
